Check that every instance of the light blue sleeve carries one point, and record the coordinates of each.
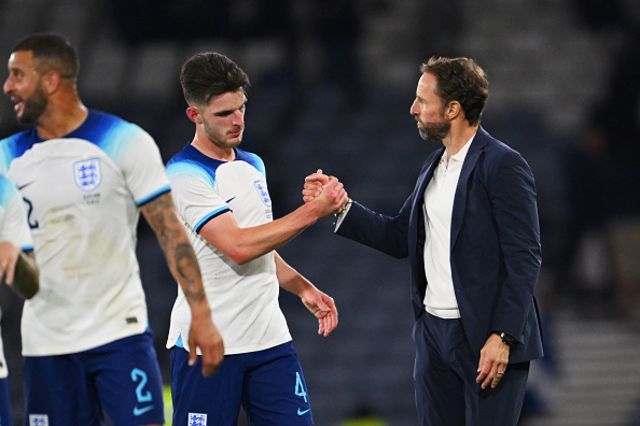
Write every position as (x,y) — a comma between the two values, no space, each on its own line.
(137,154)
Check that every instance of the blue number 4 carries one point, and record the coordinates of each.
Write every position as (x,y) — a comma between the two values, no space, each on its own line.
(141,394)
(300,390)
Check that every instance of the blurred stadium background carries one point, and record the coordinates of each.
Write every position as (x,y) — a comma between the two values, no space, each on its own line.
(332,86)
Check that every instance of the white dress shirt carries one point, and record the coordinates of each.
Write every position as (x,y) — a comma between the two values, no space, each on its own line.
(440,298)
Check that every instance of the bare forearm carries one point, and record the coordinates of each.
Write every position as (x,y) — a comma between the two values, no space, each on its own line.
(181,259)
(184,267)
(321,305)
(26,279)
(290,279)
(242,245)
(265,238)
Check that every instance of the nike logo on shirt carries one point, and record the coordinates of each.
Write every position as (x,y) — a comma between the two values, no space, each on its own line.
(138,411)
(302,412)
(20,187)
(230,200)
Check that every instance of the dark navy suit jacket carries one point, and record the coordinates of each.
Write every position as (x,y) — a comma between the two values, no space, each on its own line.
(495,243)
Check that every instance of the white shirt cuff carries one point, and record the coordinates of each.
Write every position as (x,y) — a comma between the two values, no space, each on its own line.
(341,216)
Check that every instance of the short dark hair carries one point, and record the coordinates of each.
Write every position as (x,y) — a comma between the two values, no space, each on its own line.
(209,74)
(462,80)
(53,53)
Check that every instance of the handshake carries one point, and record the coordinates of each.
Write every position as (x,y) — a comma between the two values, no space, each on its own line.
(327,191)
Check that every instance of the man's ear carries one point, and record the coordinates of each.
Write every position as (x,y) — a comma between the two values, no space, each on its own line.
(453,110)
(50,82)
(193,114)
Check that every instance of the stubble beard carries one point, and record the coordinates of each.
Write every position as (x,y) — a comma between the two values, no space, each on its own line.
(434,131)
(221,141)
(33,108)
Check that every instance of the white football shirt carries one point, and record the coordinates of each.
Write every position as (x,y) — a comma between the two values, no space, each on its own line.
(243,298)
(14,229)
(82,194)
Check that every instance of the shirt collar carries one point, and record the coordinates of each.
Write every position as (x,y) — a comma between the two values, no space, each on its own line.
(460,155)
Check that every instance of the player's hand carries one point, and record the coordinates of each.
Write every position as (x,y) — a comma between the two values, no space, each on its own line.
(323,307)
(313,185)
(333,196)
(328,198)
(494,359)
(203,334)
(8,257)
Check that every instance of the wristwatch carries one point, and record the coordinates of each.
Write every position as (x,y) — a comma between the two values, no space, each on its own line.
(344,207)
(507,339)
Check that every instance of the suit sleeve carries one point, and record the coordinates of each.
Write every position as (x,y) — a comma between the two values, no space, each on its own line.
(387,234)
(513,196)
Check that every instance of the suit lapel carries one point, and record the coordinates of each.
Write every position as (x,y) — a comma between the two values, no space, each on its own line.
(423,180)
(417,232)
(460,200)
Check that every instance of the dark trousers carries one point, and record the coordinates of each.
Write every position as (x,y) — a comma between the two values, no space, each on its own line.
(445,380)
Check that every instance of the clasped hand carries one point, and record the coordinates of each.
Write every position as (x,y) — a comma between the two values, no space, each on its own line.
(318,185)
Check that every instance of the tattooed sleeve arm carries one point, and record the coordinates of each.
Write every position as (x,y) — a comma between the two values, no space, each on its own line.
(161,215)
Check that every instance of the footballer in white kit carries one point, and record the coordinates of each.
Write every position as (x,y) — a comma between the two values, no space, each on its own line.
(221,194)
(85,177)
(13,229)
(243,298)
(82,194)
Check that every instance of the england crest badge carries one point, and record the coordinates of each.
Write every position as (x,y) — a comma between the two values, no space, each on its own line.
(261,187)
(87,174)
(197,419)
(38,420)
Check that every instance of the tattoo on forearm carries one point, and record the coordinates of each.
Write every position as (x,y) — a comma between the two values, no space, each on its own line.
(156,215)
(173,240)
(187,267)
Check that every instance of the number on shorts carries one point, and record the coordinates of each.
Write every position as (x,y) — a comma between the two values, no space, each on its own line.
(299,390)
(141,394)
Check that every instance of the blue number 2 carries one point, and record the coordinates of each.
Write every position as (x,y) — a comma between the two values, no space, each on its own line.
(299,390)
(141,394)
(33,224)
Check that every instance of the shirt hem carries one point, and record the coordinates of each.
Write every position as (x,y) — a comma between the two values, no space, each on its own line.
(443,313)
(55,350)
(243,349)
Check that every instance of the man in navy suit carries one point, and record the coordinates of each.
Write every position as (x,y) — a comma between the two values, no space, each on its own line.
(470,230)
